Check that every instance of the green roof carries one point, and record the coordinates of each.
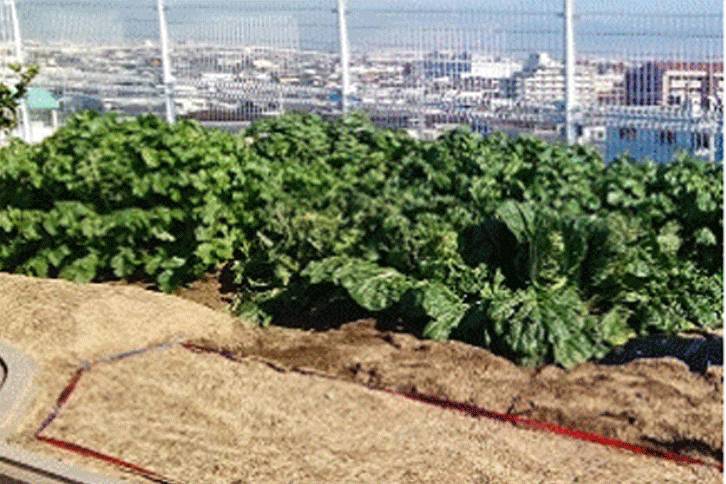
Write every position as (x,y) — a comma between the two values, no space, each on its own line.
(37,98)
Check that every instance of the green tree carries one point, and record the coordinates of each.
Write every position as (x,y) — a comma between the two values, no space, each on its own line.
(10,96)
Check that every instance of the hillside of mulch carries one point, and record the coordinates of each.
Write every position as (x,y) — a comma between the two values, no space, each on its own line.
(304,406)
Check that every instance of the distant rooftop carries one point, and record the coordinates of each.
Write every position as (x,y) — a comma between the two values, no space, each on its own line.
(38,98)
(687,65)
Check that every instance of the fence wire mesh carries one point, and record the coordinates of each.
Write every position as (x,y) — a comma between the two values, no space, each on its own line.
(94,55)
(247,60)
(647,83)
(430,69)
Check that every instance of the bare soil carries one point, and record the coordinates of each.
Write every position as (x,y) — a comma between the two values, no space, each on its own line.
(305,406)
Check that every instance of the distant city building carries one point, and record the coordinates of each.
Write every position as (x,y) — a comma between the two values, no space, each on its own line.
(606,81)
(76,103)
(462,64)
(542,81)
(675,84)
(643,135)
(438,64)
(488,78)
(468,79)
(390,118)
(231,86)
(609,89)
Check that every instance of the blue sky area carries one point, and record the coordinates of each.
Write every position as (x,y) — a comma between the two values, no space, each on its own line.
(681,6)
(584,5)
(633,34)
(677,6)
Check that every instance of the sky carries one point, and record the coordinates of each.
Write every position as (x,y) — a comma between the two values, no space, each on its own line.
(681,6)
(655,5)
(584,5)
(674,37)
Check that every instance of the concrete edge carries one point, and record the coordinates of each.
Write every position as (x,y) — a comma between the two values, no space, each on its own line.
(34,468)
(15,391)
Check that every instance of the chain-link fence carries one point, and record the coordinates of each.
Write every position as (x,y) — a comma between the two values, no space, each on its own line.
(663,88)
(645,83)
(657,75)
(247,60)
(430,69)
(94,55)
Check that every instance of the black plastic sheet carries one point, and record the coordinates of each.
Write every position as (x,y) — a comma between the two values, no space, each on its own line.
(697,353)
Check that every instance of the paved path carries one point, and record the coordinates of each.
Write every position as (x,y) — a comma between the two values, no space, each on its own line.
(18,466)
(18,370)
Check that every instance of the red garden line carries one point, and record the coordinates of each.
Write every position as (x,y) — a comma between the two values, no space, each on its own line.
(61,400)
(475,411)
(98,455)
(469,409)
(66,393)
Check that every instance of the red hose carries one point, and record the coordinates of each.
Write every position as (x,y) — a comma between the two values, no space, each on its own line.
(475,411)
(69,389)
(65,394)
(113,460)
(472,410)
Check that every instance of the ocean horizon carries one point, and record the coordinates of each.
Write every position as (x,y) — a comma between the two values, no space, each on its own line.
(465,26)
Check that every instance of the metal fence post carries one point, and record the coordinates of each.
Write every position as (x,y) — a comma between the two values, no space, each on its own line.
(570,91)
(344,57)
(24,116)
(165,63)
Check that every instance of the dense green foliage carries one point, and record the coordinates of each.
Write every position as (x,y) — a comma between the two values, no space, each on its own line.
(541,253)
(10,96)
(131,199)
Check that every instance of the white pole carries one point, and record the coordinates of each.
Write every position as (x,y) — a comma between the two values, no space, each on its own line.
(165,62)
(420,81)
(723,108)
(570,94)
(24,117)
(723,139)
(712,92)
(344,57)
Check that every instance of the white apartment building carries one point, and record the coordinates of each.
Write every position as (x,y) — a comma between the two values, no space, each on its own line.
(487,78)
(492,67)
(608,89)
(542,81)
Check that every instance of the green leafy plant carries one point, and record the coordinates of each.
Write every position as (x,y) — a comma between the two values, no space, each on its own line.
(540,253)
(10,96)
